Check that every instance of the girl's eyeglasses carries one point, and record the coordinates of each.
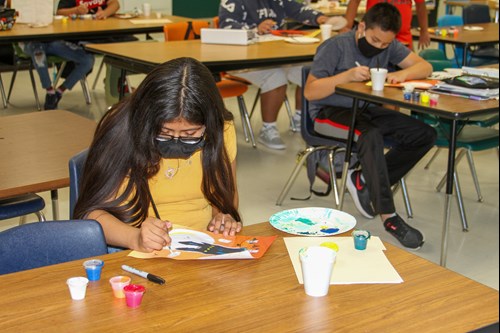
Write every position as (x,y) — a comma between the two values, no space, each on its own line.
(183,139)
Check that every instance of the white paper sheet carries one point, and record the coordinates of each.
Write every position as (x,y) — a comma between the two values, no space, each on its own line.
(351,266)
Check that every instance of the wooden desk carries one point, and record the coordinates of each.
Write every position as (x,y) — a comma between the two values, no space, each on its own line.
(80,29)
(466,38)
(246,296)
(35,149)
(454,108)
(143,57)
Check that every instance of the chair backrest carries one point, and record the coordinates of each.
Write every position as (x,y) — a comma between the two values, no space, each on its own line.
(40,244)
(477,13)
(307,123)
(448,21)
(184,30)
(437,59)
(76,166)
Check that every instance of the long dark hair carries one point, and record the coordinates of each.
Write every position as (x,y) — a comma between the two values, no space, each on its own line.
(124,145)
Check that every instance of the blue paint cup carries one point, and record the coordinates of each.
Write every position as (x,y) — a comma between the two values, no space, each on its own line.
(93,267)
(361,238)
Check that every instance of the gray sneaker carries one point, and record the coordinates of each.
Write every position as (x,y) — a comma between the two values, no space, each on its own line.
(270,137)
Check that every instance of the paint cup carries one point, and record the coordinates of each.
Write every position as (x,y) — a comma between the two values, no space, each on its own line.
(146,9)
(93,268)
(424,98)
(317,265)
(434,99)
(158,15)
(361,238)
(326,31)
(117,283)
(77,287)
(378,78)
(133,294)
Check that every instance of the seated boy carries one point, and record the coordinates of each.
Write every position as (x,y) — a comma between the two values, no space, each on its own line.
(347,58)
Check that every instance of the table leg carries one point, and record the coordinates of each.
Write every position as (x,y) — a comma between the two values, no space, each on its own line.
(464,59)
(449,191)
(123,79)
(55,204)
(350,139)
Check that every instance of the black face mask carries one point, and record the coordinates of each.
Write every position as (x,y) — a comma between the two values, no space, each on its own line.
(176,149)
(366,49)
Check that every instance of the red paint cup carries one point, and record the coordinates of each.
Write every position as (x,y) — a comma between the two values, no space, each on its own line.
(133,294)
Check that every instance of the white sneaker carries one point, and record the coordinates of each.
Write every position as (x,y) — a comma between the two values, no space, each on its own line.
(296,120)
(270,137)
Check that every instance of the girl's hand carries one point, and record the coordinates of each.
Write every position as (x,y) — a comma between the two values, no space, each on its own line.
(225,224)
(153,235)
(100,14)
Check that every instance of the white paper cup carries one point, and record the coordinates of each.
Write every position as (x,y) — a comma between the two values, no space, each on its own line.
(77,287)
(146,9)
(326,31)
(378,78)
(317,265)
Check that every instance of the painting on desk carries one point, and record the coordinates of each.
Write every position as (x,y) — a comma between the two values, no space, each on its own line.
(189,244)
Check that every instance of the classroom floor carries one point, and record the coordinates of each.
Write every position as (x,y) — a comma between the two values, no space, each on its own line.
(262,173)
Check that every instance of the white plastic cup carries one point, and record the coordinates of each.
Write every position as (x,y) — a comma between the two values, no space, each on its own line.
(146,9)
(378,78)
(158,15)
(77,287)
(326,31)
(317,265)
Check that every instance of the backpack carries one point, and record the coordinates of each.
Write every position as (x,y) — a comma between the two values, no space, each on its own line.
(317,167)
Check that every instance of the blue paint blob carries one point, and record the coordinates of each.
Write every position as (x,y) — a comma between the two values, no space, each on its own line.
(330,230)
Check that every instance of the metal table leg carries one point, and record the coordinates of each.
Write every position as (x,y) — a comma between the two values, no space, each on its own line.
(350,139)
(55,204)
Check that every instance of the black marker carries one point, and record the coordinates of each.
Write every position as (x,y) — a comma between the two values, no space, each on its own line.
(146,275)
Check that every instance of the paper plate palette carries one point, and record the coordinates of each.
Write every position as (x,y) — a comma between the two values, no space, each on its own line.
(313,221)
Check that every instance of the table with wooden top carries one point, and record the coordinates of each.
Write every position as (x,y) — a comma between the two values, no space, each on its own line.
(466,38)
(79,29)
(450,107)
(261,295)
(36,148)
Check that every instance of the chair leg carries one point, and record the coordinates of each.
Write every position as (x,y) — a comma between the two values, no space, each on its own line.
(256,99)
(333,174)
(41,216)
(59,74)
(474,175)
(98,74)
(33,84)
(290,114)
(2,91)
(14,74)
(86,91)
(443,180)
(406,198)
(460,202)
(432,158)
(245,119)
(301,158)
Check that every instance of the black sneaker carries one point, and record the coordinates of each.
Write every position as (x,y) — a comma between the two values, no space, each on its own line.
(409,237)
(359,192)
(51,100)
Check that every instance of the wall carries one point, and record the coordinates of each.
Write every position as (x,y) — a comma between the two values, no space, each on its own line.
(196,8)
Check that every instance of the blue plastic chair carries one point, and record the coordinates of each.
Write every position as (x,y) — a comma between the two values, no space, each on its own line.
(21,206)
(35,245)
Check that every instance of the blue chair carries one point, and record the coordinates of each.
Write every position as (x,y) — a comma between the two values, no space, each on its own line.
(76,167)
(21,206)
(35,245)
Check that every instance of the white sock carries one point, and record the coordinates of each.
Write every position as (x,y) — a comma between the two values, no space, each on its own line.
(298,112)
(267,125)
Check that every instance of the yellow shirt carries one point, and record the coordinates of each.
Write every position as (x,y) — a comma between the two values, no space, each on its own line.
(177,188)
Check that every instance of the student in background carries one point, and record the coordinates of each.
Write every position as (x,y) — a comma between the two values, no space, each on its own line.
(405,8)
(336,61)
(264,16)
(165,154)
(102,9)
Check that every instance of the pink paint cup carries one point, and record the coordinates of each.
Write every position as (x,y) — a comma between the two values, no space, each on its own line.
(133,294)
(118,283)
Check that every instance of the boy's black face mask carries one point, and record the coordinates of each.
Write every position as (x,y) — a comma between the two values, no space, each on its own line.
(366,49)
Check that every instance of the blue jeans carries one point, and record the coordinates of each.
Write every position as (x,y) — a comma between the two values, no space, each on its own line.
(83,60)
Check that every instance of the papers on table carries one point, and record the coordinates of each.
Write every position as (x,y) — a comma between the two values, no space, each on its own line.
(351,266)
(483,72)
(470,93)
(151,21)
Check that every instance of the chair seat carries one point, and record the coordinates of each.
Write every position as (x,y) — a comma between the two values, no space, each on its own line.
(473,138)
(230,88)
(487,52)
(20,205)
